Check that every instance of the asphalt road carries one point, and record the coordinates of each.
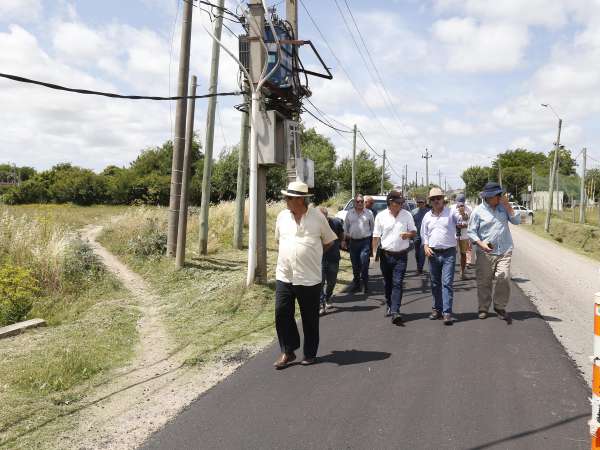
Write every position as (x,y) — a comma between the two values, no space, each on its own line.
(480,384)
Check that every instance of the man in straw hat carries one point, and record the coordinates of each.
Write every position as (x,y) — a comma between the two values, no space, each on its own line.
(490,232)
(438,232)
(303,233)
(394,227)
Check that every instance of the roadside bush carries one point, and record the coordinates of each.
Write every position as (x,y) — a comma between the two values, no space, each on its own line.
(150,241)
(81,263)
(18,291)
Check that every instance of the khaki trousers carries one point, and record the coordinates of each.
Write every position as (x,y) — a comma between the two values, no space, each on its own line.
(489,267)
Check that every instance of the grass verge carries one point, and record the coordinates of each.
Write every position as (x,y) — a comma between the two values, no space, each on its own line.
(584,239)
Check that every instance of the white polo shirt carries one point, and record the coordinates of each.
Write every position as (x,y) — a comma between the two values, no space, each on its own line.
(389,228)
(301,246)
(439,231)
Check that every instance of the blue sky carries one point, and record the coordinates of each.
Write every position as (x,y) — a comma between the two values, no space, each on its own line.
(465,78)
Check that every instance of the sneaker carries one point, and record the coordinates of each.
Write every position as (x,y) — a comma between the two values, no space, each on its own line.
(328,306)
(482,315)
(435,315)
(397,319)
(448,319)
(322,311)
(388,312)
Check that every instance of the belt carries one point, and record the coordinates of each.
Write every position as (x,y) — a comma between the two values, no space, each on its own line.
(360,239)
(388,252)
(441,250)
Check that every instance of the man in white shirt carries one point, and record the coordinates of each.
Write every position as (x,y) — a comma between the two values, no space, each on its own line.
(394,227)
(358,229)
(438,232)
(303,234)
(464,242)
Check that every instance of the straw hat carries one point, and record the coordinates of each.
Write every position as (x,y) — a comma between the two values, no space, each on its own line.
(296,189)
(435,192)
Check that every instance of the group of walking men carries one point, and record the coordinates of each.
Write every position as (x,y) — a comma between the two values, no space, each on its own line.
(309,255)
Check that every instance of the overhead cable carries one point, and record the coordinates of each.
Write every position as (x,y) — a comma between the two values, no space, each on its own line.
(110,94)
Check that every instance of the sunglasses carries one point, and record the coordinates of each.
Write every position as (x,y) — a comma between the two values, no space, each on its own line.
(436,198)
(359,201)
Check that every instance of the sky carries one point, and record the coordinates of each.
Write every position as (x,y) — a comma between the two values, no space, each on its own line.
(462,78)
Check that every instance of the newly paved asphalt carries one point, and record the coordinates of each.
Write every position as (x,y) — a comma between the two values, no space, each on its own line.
(480,384)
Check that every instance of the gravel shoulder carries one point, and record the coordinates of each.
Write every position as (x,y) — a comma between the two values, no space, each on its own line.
(561,284)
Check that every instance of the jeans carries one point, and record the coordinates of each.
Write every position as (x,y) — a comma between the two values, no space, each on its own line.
(285,323)
(393,269)
(329,272)
(360,252)
(419,254)
(441,268)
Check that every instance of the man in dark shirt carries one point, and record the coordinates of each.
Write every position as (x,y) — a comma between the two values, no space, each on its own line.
(418,214)
(330,263)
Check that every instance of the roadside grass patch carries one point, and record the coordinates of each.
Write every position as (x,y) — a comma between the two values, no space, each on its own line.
(584,239)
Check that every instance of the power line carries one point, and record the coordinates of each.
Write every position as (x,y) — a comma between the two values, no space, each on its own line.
(342,67)
(109,94)
(323,122)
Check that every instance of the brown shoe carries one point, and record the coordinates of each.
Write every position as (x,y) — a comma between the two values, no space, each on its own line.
(284,360)
(308,361)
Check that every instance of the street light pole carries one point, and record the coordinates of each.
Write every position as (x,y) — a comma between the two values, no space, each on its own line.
(553,171)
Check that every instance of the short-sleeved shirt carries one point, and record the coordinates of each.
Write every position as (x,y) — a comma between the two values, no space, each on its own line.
(461,233)
(389,228)
(333,253)
(359,226)
(439,231)
(301,246)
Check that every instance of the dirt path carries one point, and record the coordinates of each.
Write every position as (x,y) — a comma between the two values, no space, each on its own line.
(143,396)
(562,285)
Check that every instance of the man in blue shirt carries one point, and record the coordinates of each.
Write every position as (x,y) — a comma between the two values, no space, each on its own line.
(490,232)
(418,214)
(330,263)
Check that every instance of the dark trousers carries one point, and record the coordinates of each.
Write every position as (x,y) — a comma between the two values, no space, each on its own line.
(285,323)
(441,273)
(419,254)
(360,252)
(393,268)
(329,272)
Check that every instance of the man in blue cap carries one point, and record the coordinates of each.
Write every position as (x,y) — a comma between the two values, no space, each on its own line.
(489,231)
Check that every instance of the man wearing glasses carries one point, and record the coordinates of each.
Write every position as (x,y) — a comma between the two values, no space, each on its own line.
(489,230)
(394,227)
(438,233)
(358,229)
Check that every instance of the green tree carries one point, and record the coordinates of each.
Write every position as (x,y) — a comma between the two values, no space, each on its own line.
(368,175)
(475,178)
(320,149)
(566,164)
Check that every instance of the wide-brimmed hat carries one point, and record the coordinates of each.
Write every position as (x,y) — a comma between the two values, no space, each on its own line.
(296,189)
(492,189)
(395,197)
(435,192)
(460,198)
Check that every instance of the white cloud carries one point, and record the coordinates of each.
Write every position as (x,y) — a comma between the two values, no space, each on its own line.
(457,127)
(20,10)
(473,47)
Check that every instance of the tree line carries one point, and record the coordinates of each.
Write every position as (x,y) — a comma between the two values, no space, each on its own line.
(516,168)
(147,179)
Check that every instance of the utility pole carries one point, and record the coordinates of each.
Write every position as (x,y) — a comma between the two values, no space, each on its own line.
(291,13)
(532,188)
(439,178)
(582,196)
(499,173)
(427,156)
(185,179)
(179,138)
(552,178)
(240,194)
(445,184)
(354,164)
(210,133)
(383,173)
(405,178)
(416,180)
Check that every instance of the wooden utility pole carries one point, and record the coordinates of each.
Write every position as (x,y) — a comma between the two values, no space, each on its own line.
(383,173)
(240,194)
(531,204)
(552,178)
(439,178)
(210,133)
(582,196)
(427,157)
(499,173)
(354,163)
(179,141)
(185,179)
(416,179)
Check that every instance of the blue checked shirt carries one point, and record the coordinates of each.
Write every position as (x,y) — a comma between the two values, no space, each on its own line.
(491,225)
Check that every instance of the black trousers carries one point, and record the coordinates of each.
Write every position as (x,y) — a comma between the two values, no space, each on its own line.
(285,323)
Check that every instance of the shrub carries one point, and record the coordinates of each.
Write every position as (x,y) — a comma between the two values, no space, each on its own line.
(81,263)
(18,290)
(149,241)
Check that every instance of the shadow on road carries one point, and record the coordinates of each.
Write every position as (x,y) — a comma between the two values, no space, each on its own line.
(527,433)
(348,357)
(355,308)
(515,315)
